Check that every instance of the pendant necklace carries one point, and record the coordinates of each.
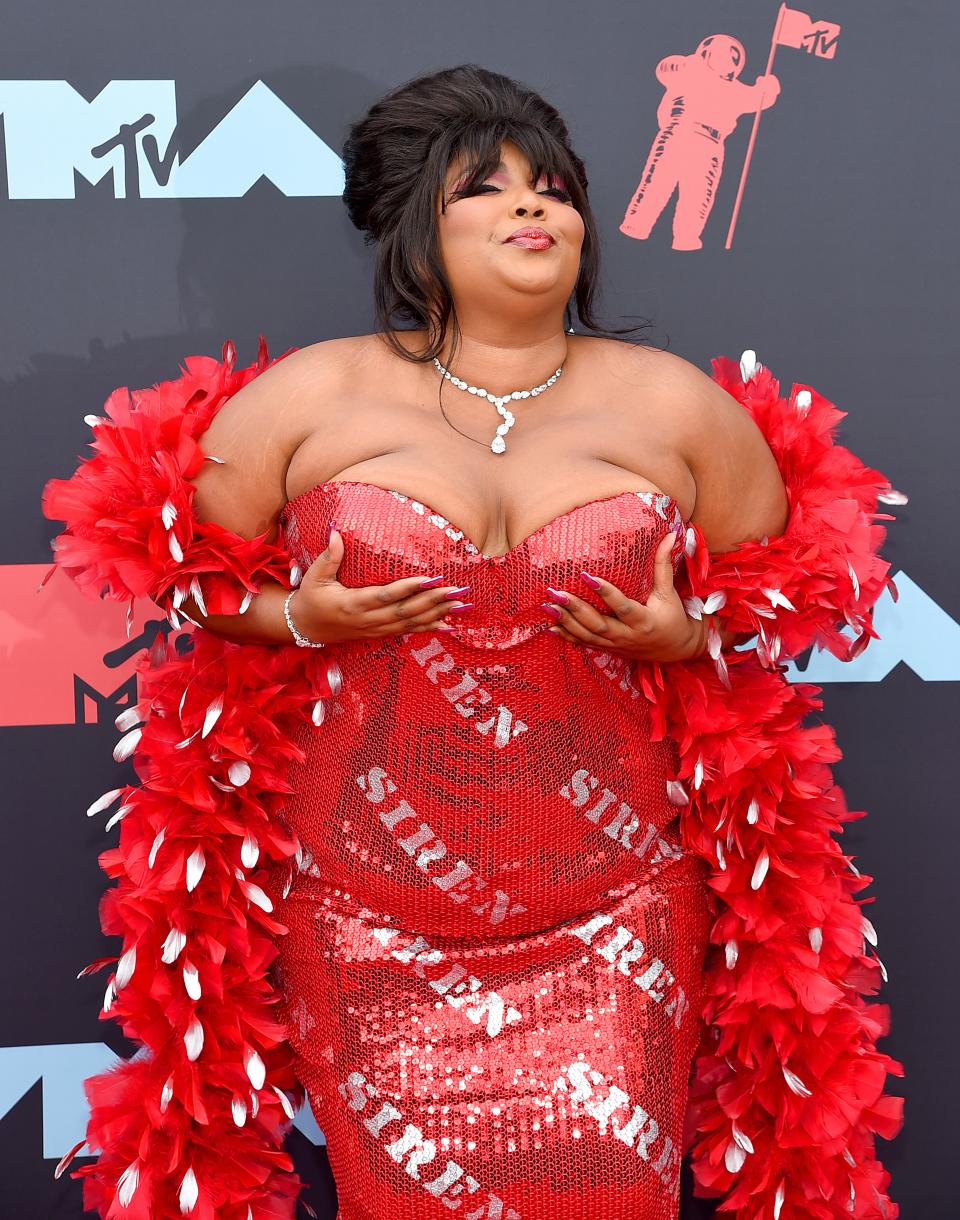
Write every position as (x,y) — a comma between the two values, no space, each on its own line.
(498,444)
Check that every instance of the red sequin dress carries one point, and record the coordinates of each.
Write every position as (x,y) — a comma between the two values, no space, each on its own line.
(492,972)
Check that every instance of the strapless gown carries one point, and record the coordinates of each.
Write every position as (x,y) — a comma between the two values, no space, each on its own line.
(492,971)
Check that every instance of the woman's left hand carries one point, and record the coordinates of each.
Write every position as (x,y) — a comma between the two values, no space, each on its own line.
(656,630)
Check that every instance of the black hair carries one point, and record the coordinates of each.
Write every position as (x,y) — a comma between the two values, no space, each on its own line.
(396,160)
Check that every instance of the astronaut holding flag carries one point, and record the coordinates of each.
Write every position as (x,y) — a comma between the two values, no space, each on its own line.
(702,101)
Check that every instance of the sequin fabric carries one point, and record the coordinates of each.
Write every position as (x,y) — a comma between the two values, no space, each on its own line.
(491,976)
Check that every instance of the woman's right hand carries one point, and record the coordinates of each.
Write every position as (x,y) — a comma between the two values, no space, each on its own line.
(326,611)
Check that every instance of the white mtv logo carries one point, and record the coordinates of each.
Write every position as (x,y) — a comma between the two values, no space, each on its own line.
(913,629)
(129,130)
(63,1068)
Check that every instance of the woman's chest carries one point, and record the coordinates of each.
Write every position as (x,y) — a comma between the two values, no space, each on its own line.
(389,535)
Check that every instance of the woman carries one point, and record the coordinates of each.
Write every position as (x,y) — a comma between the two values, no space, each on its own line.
(489,863)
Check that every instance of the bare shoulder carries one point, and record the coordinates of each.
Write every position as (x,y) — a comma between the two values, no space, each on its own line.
(740,492)
(255,433)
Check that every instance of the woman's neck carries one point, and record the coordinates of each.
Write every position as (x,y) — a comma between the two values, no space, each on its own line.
(501,363)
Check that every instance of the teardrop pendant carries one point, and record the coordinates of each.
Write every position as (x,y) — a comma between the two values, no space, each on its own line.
(498,444)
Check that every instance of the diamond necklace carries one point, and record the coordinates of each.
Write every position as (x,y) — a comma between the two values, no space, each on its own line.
(498,444)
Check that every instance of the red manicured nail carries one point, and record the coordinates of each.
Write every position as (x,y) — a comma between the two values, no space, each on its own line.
(557,595)
(432,583)
(552,610)
(590,580)
(460,609)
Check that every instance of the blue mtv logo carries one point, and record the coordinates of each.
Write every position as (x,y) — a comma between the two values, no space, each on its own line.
(913,629)
(63,1068)
(129,131)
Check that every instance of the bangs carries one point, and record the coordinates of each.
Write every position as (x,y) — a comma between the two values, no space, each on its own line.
(478,149)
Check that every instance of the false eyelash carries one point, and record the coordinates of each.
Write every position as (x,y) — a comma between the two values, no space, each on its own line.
(563,196)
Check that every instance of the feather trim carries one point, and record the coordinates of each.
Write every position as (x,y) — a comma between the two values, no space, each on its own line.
(825,571)
(195,1122)
(131,530)
(786,1094)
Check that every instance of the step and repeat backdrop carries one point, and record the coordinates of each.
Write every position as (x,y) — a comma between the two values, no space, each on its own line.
(170,177)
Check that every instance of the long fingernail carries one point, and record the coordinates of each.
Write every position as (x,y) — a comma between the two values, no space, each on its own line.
(552,610)
(457,592)
(432,582)
(330,528)
(460,609)
(557,595)
(590,580)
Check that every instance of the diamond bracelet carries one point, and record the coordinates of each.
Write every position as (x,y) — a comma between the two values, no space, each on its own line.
(301,640)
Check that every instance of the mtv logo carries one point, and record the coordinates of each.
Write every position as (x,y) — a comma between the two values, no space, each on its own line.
(129,131)
(63,1069)
(913,629)
(67,658)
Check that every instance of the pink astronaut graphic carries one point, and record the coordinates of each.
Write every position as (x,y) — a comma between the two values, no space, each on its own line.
(702,101)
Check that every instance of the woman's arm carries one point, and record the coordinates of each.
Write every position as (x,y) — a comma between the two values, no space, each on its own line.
(254,436)
(740,493)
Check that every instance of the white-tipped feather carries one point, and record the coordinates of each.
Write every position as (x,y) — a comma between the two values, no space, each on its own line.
(249,851)
(126,967)
(815,936)
(694,607)
(173,946)
(196,863)
(193,1039)
(198,596)
(176,550)
(749,365)
(127,1184)
(212,715)
(254,1067)
(715,601)
(166,1094)
(118,816)
(284,1101)
(731,950)
(238,1108)
(191,980)
(103,802)
(760,870)
(256,895)
(126,745)
(794,1083)
(677,793)
(128,718)
(189,1192)
(155,846)
(733,1158)
(743,1140)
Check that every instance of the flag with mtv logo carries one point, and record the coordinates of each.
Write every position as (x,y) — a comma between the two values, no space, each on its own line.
(795,29)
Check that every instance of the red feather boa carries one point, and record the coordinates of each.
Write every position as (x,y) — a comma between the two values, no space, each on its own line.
(787,1090)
